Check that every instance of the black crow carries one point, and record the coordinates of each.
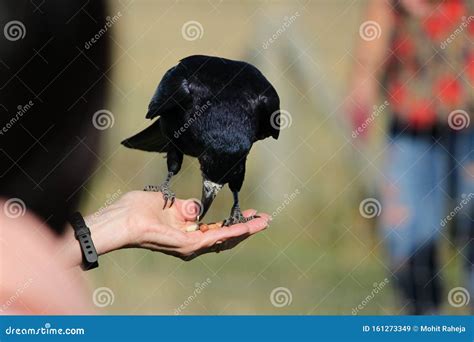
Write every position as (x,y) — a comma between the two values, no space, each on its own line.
(213,109)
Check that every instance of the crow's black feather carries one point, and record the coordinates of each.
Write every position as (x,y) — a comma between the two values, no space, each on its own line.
(214,109)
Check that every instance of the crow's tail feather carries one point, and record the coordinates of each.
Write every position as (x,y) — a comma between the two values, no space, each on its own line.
(150,139)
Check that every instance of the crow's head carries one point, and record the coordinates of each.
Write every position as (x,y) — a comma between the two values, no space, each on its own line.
(221,165)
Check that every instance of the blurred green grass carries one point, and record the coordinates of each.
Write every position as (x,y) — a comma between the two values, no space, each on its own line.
(318,246)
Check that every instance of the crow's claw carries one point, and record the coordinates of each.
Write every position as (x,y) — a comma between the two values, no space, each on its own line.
(168,195)
(237,217)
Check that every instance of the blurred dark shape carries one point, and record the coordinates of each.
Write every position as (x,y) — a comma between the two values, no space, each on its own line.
(50,87)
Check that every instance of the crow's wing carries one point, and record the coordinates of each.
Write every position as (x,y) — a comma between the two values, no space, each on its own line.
(268,112)
(172,97)
(150,139)
(172,94)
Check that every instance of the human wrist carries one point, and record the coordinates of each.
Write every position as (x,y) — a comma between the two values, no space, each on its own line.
(108,232)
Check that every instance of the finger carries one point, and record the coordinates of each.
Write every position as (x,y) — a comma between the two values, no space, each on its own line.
(249,212)
(265,216)
(257,224)
(189,209)
(210,237)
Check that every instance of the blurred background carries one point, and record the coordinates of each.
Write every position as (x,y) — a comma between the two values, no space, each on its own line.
(322,253)
(327,257)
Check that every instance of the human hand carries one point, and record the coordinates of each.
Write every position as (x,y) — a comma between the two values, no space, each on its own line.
(138,220)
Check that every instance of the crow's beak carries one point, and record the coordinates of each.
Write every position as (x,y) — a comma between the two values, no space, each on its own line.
(209,192)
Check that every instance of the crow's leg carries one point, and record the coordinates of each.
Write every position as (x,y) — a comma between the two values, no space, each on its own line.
(174,161)
(164,188)
(236,215)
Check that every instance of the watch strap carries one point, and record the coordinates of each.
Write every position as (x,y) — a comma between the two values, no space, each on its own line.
(90,259)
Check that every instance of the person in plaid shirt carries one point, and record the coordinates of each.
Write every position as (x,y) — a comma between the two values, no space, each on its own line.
(419,55)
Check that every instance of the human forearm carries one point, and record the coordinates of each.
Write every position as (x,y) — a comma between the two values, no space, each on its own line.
(139,219)
(109,232)
(374,39)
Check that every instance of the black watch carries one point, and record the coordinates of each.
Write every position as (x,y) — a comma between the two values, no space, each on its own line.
(90,259)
